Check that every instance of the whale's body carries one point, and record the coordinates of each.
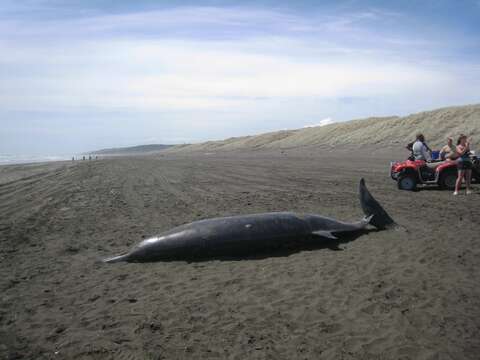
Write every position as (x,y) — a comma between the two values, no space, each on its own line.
(242,234)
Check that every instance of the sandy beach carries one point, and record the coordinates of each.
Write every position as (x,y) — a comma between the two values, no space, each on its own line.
(383,295)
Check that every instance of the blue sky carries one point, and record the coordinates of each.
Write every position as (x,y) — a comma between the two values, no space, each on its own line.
(81,75)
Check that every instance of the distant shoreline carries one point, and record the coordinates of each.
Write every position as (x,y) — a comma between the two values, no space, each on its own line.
(30,159)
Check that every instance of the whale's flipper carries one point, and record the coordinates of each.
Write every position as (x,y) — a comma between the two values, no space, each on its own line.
(325,234)
(380,219)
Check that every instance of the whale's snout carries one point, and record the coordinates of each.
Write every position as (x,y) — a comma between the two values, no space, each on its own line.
(115,259)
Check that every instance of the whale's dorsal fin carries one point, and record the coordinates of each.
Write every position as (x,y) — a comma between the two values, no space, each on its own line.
(325,234)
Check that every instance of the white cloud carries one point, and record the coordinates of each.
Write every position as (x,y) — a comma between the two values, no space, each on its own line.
(91,63)
(323,122)
(156,75)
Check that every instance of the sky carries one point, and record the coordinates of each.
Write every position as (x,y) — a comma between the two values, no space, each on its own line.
(81,75)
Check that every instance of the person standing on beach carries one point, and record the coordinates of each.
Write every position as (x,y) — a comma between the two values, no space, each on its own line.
(464,164)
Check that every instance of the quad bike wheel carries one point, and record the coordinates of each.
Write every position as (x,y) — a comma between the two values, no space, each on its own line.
(407,182)
(447,180)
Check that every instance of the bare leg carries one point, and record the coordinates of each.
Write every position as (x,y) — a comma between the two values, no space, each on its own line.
(458,184)
(468,179)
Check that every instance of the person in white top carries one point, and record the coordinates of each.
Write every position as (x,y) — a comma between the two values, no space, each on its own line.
(420,150)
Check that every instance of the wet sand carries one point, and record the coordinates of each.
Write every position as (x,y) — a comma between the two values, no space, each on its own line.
(381,295)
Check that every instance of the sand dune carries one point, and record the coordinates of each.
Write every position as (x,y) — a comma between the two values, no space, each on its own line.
(386,131)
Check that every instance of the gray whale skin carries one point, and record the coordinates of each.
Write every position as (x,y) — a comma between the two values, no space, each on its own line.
(235,235)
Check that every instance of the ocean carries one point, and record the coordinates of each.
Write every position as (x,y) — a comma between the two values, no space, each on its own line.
(8,159)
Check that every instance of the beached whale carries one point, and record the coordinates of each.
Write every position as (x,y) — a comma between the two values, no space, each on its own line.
(235,235)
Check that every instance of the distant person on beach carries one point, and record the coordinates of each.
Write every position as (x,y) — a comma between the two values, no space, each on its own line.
(464,164)
(420,150)
(449,151)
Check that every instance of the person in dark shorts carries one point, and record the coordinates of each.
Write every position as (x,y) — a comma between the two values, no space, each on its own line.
(464,164)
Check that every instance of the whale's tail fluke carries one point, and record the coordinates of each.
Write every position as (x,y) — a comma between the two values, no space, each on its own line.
(379,217)
(115,259)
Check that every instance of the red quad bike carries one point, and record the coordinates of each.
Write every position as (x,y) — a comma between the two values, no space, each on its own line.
(408,174)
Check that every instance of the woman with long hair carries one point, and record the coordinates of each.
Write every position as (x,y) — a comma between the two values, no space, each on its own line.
(464,164)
